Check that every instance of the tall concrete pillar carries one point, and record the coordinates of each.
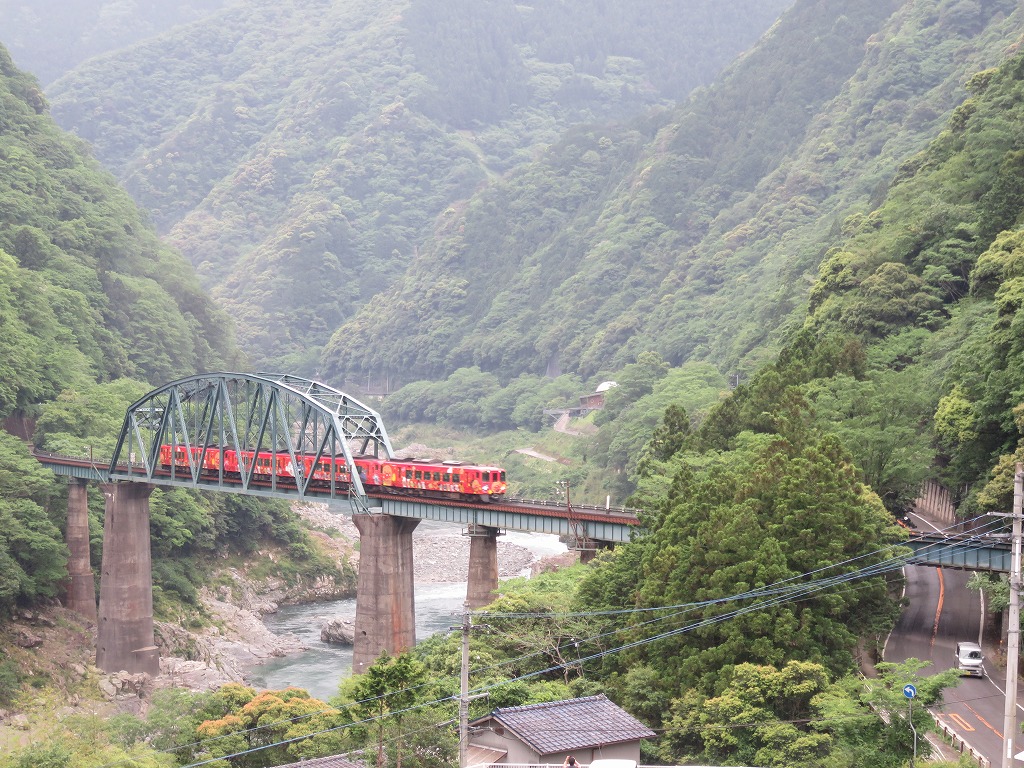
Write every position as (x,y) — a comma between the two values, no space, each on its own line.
(482,582)
(385,607)
(125,638)
(593,547)
(81,587)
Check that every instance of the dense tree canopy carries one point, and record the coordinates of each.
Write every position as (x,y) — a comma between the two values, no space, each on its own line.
(300,159)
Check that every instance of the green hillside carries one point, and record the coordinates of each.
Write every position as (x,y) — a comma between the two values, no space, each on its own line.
(89,293)
(698,233)
(300,160)
(840,217)
(95,311)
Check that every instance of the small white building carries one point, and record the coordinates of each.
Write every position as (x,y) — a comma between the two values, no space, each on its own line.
(590,728)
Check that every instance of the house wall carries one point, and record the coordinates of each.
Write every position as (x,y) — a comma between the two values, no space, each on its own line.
(629,750)
(518,753)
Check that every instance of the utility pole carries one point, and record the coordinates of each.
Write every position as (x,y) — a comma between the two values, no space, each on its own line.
(467,625)
(1013,628)
(464,697)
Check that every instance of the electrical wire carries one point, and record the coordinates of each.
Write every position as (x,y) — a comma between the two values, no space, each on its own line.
(772,597)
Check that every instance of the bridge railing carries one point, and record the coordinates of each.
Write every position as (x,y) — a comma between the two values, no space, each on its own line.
(959,743)
(561,505)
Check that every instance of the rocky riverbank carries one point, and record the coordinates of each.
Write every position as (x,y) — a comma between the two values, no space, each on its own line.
(238,640)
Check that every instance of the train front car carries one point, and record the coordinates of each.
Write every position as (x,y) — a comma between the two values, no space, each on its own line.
(439,479)
(485,483)
(493,483)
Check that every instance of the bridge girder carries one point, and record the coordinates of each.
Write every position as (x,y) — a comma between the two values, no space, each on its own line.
(277,416)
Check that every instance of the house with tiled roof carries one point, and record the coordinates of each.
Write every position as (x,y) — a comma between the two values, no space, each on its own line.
(589,729)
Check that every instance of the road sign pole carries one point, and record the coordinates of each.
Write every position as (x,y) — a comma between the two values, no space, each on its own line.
(910,715)
(910,692)
(1013,624)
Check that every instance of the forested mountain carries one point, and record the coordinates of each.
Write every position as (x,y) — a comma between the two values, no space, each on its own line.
(89,293)
(300,158)
(841,215)
(50,37)
(94,312)
(696,234)
(909,363)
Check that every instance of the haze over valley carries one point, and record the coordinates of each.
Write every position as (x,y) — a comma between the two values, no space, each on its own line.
(789,231)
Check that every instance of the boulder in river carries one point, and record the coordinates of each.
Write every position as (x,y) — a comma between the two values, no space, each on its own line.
(340,631)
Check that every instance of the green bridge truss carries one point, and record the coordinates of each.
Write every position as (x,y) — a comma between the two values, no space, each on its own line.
(275,416)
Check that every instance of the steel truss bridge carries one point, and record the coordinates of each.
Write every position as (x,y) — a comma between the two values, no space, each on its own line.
(288,417)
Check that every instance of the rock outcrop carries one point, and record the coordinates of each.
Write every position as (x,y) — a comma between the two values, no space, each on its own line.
(341,631)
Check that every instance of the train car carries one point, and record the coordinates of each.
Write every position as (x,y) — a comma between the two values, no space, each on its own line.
(409,477)
(446,479)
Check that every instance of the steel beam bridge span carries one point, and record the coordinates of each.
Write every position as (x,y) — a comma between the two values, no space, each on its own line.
(973,553)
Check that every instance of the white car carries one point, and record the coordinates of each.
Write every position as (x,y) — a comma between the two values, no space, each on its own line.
(970,659)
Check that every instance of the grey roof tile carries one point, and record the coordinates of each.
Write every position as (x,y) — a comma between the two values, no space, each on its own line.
(562,726)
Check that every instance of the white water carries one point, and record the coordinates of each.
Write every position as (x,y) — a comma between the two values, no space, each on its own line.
(322,666)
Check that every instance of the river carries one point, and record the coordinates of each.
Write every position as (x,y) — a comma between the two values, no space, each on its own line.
(322,665)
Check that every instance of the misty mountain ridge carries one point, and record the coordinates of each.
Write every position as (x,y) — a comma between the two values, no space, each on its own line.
(300,160)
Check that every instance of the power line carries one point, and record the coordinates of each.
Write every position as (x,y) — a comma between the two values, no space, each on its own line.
(773,597)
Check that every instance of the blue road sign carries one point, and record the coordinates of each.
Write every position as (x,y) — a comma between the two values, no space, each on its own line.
(909,691)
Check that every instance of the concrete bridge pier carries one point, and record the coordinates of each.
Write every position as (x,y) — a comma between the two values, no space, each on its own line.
(81,596)
(589,552)
(482,581)
(125,638)
(385,606)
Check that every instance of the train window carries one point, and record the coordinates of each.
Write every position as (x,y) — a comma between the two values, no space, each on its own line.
(437,477)
(408,474)
(503,476)
(456,479)
(487,477)
(419,475)
(446,478)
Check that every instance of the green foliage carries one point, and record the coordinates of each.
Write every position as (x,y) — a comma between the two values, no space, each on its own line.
(87,421)
(87,741)
(88,290)
(757,719)
(380,701)
(801,491)
(880,422)
(10,682)
(849,711)
(33,558)
(695,234)
(399,124)
(472,399)
(996,588)
(52,755)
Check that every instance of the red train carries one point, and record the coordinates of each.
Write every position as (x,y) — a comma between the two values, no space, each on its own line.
(412,477)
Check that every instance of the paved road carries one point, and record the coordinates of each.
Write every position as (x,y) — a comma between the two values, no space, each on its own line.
(941,613)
